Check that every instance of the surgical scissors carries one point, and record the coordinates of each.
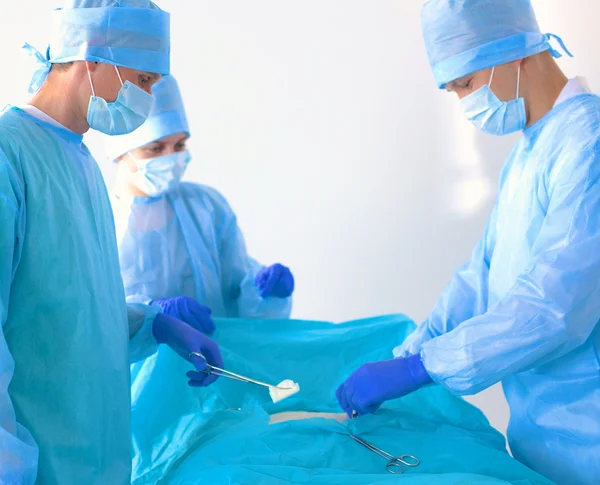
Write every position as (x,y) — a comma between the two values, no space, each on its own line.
(395,464)
(231,375)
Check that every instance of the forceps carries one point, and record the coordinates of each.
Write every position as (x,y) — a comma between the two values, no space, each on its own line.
(231,375)
(395,464)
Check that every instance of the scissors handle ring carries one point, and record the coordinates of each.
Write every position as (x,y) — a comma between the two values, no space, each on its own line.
(394,467)
(408,460)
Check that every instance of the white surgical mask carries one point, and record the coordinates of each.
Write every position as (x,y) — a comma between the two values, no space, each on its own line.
(155,176)
(491,115)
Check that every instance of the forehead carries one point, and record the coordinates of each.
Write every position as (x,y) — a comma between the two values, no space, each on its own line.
(174,138)
(154,77)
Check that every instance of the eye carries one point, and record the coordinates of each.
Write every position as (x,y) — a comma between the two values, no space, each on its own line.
(180,147)
(154,149)
(143,80)
(466,84)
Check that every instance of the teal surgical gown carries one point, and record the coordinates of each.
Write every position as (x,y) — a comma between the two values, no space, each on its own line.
(185,242)
(65,326)
(525,309)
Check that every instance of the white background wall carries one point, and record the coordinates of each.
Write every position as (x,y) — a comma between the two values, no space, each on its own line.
(321,123)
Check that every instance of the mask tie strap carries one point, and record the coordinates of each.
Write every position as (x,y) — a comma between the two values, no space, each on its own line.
(492,76)
(91,82)
(119,74)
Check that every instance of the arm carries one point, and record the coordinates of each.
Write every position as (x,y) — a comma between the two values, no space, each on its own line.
(141,315)
(18,451)
(465,297)
(241,296)
(553,306)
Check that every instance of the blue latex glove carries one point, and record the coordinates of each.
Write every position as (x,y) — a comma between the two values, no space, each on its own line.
(188,310)
(184,340)
(276,280)
(368,387)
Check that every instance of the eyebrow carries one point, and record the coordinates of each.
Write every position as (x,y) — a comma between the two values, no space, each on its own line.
(153,76)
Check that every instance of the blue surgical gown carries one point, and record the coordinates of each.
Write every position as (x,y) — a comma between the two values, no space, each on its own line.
(185,242)
(64,334)
(525,309)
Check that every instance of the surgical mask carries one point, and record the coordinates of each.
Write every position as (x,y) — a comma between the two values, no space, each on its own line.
(493,116)
(125,115)
(157,175)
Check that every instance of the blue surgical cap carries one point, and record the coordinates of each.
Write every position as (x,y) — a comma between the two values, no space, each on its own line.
(128,33)
(166,118)
(466,36)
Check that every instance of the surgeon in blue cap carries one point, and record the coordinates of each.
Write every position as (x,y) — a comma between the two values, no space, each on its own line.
(67,333)
(524,310)
(181,238)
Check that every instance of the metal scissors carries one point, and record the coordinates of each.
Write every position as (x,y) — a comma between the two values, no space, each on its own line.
(395,464)
(231,375)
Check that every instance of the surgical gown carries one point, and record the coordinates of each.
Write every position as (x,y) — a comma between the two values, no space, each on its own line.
(64,357)
(186,242)
(525,309)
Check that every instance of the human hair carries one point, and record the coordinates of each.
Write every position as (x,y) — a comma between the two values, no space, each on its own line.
(61,66)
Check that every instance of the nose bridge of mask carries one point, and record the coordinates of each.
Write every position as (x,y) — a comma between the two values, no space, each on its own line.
(163,163)
(157,175)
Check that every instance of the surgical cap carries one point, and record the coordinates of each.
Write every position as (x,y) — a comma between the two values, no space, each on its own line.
(128,33)
(166,118)
(466,36)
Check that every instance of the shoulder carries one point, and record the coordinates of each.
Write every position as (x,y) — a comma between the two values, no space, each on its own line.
(572,144)
(579,120)
(207,195)
(19,131)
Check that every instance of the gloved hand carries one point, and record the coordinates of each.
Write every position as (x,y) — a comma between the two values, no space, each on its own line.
(372,384)
(188,310)
(184,340)
(276,280)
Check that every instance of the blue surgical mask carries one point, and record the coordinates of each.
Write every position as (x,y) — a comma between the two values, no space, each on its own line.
(125,115)
(157,175)
(493,116)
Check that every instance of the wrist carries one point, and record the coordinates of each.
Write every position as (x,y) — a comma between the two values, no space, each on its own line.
(417,370)
(159,328)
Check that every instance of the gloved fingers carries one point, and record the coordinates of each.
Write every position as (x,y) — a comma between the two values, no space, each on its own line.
(196,315)
(200,379)
(360,403)
(198,362)
(196,308)
(343,400)
(209,325)
(267,288)
(363,407)
(201,315)
(284,281)
(290,282)
(372,408)
(213,354)
(261,278)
